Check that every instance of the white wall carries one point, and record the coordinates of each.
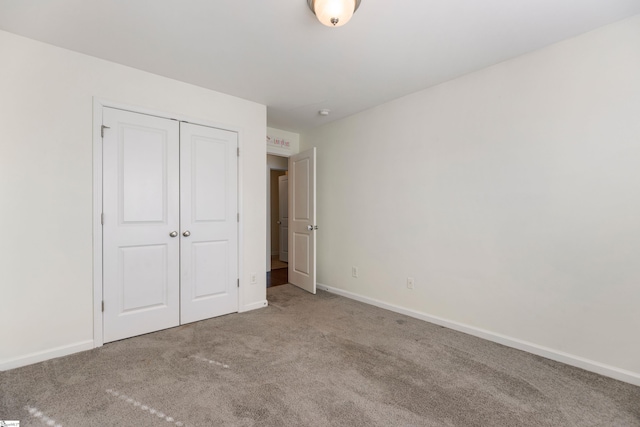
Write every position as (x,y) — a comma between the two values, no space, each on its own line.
(511,195)
(291,137)
(277,162)
(46,213)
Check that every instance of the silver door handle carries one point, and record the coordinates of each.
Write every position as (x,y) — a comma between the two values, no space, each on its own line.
(186,233)
(278,222)
(310,227)
(173,234)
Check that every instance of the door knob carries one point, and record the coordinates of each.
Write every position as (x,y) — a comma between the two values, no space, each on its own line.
(173,234)
(310,227)
(186,233)
(278,222)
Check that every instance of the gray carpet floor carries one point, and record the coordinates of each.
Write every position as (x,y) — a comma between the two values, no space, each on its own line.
(309,360)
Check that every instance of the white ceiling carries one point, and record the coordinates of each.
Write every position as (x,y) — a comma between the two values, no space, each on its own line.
(276,53)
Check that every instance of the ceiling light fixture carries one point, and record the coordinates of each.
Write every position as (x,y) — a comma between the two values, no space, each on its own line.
(333,13)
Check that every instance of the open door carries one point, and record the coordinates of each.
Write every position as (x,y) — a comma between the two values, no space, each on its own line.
(302,220)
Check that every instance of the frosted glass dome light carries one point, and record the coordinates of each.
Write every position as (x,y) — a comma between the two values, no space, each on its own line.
(333,13)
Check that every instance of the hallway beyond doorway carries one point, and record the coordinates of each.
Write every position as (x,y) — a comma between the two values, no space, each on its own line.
(279,274)
(276,263)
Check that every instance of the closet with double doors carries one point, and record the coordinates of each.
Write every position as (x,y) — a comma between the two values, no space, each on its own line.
(169,223)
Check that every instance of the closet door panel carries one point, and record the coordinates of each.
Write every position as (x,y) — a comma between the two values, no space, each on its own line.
(141,209)
(209,223)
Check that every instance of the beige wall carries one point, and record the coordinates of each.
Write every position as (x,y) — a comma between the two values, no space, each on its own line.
(511,195)
(46,130)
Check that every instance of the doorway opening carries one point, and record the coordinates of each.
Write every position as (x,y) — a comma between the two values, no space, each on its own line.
(298,228)
(277,220)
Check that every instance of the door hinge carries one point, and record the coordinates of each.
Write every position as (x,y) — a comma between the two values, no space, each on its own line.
(103,306)
(238,282)
(102,218)
(238,151)
(238,217)
(102,128)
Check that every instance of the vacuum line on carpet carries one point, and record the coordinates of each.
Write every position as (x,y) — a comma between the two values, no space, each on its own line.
(146,408)
(39,414)
(211,362)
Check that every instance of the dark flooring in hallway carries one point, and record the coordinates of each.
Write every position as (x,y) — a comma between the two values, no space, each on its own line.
(277,277)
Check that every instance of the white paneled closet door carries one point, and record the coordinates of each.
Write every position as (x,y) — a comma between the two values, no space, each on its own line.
(209,217)
(170,229)
(141,247)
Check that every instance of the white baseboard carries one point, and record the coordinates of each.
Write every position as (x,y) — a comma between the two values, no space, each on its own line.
(549,353)
(66,350)
(254,306)
(41,356)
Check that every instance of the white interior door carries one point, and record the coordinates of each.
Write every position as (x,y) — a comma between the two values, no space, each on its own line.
(140,205)
(302,220)
(283,216)
(209,222)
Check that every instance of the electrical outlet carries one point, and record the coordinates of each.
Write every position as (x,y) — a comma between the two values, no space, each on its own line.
(410,282)
(354,272)
(254,278)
